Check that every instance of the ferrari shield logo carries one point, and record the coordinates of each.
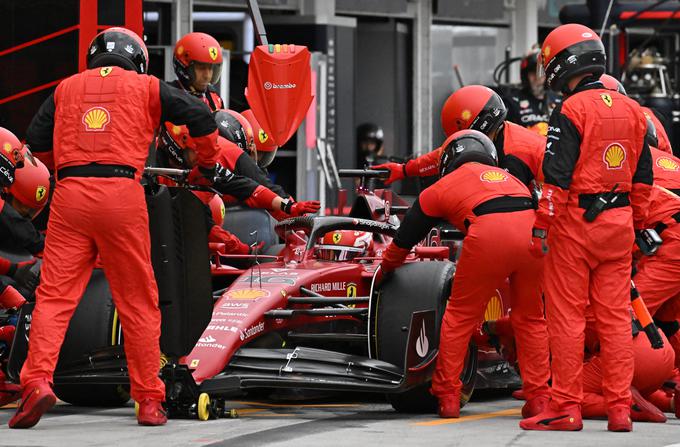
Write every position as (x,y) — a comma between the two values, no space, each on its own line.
(213,53)
(351,290)
(40,193)
(7,147)
(105,71)
(262,135)
(607,99)
(336,238)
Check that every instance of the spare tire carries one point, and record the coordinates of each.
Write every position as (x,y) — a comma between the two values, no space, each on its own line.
(414,287)
(94,325)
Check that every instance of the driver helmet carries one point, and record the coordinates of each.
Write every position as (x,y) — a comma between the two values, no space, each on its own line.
(265,145)
(344,245)
(31,188)
(196,48)
(10,156)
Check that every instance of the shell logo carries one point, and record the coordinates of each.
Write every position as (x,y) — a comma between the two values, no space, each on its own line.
(247,294)
(337,237)
(606,99)
(466,115)
(667,164)
(213,53)
(262,135)
(614,156)
(540,128)
(7,147)
(96,119)
(180,50)
(546,52)
(493,176)
(40,193)
(494,309)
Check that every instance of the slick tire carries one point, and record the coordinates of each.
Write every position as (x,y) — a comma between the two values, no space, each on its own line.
(94,325)
(415,287)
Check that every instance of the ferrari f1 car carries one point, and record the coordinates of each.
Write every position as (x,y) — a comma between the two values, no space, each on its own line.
(311,316)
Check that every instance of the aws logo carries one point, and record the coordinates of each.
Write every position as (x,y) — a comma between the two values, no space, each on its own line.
(614,156)
(96,119)
(667,164)
(493,177)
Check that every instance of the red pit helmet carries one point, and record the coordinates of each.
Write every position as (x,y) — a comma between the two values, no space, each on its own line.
(569,51)
(217,210)
(31,187)
(611,83)
(196,47)
(473,107)
(10,156)
(344,245)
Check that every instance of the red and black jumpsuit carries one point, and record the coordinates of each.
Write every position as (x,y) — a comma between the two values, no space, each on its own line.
(495,210)
(661,135)
(95,132)
(658,276)
(596,141)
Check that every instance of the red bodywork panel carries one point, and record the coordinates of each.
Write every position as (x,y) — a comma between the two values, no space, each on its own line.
(238,314)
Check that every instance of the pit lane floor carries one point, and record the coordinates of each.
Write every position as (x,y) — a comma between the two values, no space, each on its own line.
(353,421)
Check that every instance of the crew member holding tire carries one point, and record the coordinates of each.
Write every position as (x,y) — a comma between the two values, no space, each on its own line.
(520,151)
(495,210)
(95,131)
(598,177)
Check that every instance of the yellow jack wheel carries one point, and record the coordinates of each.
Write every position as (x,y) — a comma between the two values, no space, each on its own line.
(136,408)
(203,407)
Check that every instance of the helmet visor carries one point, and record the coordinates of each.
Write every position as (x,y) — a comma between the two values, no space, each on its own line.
(337,253)
(540,69)
(198,71)
(264,159)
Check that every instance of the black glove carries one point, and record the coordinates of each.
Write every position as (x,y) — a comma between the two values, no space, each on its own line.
(24,276)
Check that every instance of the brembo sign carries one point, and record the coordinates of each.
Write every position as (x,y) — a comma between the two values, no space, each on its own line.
(272,86)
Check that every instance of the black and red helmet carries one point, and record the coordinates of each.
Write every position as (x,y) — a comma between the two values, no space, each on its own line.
(118,47)
(173,141)
(568,51)
(473,107)
(236,128)
(611,83)
(466,146)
